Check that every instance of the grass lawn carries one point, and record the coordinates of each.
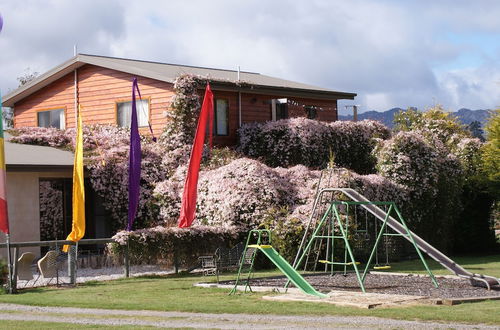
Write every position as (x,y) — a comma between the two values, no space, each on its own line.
(176,293)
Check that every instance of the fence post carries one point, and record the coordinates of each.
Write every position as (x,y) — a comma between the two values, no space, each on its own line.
(13,283)
(176,261)
(126,261)
(72,263)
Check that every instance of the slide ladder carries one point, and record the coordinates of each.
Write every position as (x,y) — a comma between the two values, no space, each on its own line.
(432,252)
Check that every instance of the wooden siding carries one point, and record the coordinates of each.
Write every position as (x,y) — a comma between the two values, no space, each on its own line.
(99,89)
(55,96)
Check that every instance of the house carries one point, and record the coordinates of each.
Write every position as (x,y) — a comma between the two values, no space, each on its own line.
(102,85)
(39,183)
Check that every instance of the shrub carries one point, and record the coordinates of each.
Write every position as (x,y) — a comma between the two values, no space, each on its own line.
(308,142)
(41,136)
(4,272)
(432,179)
(169,245)
(287,231)
(239,193)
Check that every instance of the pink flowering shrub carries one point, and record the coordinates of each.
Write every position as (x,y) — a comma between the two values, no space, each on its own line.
(41,136)
(238,194)
(167,245)
(432,179)
(108,173)
(183,115)
(310,142)
(409,160)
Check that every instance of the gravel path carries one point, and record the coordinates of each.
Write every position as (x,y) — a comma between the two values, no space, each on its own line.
(99,274)
(91,316)
(388,284)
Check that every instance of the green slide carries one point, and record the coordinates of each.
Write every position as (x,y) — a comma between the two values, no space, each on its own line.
(288,270)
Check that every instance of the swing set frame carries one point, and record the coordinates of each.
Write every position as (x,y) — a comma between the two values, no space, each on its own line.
(333,218)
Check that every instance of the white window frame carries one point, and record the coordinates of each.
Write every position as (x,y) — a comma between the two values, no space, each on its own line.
(142,114)
(62,117)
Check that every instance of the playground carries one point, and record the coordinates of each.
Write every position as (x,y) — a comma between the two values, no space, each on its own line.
(181,297)
(335,219)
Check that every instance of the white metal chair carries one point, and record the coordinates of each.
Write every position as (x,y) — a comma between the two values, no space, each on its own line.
(24,271)
(48,265)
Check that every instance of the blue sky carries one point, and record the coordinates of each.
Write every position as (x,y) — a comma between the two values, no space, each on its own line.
(392,53)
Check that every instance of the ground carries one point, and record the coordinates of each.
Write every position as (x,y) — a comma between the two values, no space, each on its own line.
(398,284)
(172,301)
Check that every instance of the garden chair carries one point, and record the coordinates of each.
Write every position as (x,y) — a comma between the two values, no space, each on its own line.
(24,271)
(48,265)
(224,259)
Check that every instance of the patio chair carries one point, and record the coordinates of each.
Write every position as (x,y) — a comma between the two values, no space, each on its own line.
(24,271)
(48,265)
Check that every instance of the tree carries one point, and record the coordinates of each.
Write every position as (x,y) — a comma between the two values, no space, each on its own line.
(8,117)
(491,155)
(23,79)
(27,76)
(435,118)
(476,130)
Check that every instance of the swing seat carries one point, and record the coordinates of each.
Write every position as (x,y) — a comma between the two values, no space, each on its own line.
(382,267)
(338,263)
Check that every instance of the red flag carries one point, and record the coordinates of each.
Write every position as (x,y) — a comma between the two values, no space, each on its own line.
(4,216)
(190,193)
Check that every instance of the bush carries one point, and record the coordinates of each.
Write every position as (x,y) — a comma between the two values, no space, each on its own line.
(4,272)
(432,179)
(309,142)
(169,245)
(287,232)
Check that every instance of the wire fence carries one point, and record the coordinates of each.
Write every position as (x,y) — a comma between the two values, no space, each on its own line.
(86,260)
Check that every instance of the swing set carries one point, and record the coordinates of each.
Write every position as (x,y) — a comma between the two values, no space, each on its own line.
(334,224)
(335,218)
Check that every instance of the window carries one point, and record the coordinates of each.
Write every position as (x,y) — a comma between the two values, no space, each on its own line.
(311,112)
(51,118)
(124,113)
(279,109)
(221,117)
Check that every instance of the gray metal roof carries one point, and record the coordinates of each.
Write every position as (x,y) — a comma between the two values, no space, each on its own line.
(30,156)
(219,78)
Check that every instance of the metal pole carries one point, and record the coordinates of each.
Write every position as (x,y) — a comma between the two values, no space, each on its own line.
(72,263)
(126,261)
(14,270)
(9,262)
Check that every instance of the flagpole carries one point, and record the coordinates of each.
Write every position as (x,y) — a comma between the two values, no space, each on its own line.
(9,262)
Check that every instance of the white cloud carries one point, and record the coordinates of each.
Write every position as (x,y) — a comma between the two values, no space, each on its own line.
(385,51)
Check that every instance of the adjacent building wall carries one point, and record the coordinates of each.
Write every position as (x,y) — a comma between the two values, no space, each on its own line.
(24,207)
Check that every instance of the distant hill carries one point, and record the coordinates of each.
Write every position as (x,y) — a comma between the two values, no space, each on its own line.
(466,116)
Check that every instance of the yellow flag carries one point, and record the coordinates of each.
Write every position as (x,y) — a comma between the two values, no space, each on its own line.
(78,226)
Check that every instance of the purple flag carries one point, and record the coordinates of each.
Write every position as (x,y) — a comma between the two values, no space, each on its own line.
(134,167)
